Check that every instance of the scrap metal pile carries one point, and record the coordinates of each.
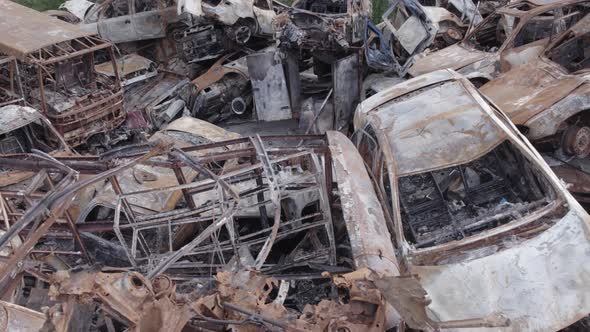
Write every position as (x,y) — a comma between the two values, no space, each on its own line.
(253,165)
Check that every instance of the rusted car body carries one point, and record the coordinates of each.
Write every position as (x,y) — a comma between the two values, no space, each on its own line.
(57,70)
(245,215)
(474,210)
(547,98)
(17,318)
(509,37)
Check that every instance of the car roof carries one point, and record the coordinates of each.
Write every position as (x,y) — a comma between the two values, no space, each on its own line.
(26,30)
(435,123)
(13,117)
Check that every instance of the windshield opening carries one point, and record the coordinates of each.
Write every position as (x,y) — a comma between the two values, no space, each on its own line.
(491,34)
(460,201)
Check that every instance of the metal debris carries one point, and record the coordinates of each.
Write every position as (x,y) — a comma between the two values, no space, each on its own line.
(241,165)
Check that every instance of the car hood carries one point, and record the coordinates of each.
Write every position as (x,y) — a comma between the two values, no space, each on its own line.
(453,57)
(538,284)
(527,90)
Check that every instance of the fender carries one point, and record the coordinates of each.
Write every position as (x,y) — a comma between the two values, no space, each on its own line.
(547,122)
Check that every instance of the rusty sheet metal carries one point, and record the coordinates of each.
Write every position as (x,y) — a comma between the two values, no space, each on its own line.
(528,90)
(542,94)
(422,138)
(20,319)
(346,82)
(409,297)
(230,12)
(440,14)
(134,26)
(454,57)
(26,30)
(218,70)
(238,300)
(545,2)
(130,297)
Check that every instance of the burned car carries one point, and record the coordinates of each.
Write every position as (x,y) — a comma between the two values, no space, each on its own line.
(23,130)
(260,210)
(323,25)
(548,98)
(122,21)
(216,27)
(509,37)
(56,62)
(474,210)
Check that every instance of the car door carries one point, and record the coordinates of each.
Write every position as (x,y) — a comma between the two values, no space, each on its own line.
(115,21)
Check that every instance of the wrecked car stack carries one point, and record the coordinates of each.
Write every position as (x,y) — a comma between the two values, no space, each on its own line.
(241,165)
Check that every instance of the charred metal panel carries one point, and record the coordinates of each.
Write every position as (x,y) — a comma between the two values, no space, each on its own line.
(269,86)
(199,43)
(293,80)
(346,81)
(495,215)
(139,26)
